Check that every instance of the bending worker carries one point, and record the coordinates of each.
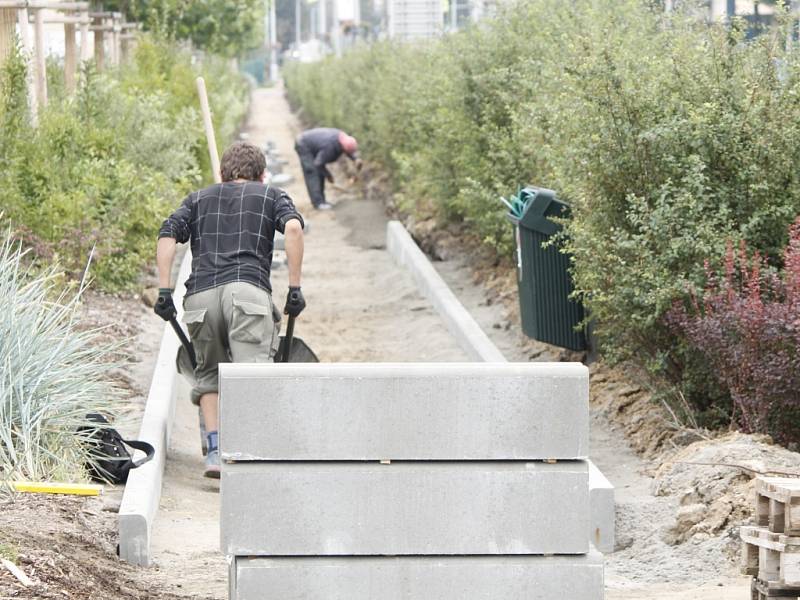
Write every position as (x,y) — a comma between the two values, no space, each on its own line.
(228,305)
(318,147)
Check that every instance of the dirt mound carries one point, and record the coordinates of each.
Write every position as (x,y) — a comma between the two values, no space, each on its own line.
(67,546)
(714,481)
(649,427)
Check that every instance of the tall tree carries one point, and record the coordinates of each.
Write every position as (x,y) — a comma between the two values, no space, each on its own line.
(226,27)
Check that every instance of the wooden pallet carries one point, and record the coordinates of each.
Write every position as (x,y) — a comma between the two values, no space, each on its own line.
(762,590)
(772,557)
(778,504)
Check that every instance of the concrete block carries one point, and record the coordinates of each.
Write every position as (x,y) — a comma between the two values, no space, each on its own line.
(603,510)
(143,488)
(410,411)
(459,322)
(419,578)
(407,253)
(402,508)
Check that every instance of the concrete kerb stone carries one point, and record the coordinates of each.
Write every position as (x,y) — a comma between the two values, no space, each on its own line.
(459,322)
(429,577)
(477,344)
(603,510)
(339,412)
(404,508)
(143,488)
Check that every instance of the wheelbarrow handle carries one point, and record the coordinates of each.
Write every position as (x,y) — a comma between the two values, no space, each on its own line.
(287,340)
(184,340)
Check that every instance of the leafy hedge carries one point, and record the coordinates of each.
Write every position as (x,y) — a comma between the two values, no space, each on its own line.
(669,137)
(104,167)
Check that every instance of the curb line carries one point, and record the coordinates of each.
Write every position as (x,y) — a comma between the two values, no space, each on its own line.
(143,490)
(460,323)
(477,344)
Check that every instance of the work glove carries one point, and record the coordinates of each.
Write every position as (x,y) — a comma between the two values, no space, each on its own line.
(164,306)
(295,303)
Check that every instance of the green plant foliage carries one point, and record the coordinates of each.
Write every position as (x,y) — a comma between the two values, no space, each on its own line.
(668,137)
(9,552)
(224,27)
(52,375)
(104,167)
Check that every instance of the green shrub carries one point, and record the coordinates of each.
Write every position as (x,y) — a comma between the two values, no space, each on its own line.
(104,167)
(52,375)
(745,323)
(667,136)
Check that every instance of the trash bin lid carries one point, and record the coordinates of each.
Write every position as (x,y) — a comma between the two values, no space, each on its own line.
(540,209)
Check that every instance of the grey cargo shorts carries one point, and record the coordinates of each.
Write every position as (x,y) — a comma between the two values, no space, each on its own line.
(235,322)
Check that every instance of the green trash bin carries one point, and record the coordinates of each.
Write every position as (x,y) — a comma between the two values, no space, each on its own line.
(545,285)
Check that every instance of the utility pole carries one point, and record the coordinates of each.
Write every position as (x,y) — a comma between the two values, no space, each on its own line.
(668,6)
(453,15)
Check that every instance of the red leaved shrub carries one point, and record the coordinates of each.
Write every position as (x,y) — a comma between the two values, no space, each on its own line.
(747,325)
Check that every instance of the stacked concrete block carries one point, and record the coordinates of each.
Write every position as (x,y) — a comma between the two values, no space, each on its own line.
(434,481)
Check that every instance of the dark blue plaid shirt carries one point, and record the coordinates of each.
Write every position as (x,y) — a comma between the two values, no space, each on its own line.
(232,229)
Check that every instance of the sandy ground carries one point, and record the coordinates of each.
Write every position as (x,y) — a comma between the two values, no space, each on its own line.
(361,308)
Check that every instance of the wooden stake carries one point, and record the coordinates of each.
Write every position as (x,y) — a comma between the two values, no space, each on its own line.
(8,22)
(41,65)
(99,46)
(27,49)
(209,127)
(70,58)
(115,38)
(86,50)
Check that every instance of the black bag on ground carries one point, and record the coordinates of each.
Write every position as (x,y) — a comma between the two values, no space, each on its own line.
(113,462)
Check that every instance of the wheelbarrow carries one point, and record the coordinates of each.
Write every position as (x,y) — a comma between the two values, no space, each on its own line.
(290,349)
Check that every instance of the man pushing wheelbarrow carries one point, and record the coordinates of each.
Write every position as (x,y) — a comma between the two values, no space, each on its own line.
(228,308)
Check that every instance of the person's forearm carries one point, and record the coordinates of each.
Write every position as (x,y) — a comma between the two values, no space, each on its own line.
(293,241)
(165,254)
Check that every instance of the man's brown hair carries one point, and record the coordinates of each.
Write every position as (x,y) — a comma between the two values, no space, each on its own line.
(242,160)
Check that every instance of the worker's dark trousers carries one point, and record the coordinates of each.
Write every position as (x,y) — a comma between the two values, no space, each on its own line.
(315,181)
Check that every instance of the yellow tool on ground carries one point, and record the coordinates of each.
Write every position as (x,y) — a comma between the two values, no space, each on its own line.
(74,489)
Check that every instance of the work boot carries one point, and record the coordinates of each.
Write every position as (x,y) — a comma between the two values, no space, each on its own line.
(212,466)
(324,206)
